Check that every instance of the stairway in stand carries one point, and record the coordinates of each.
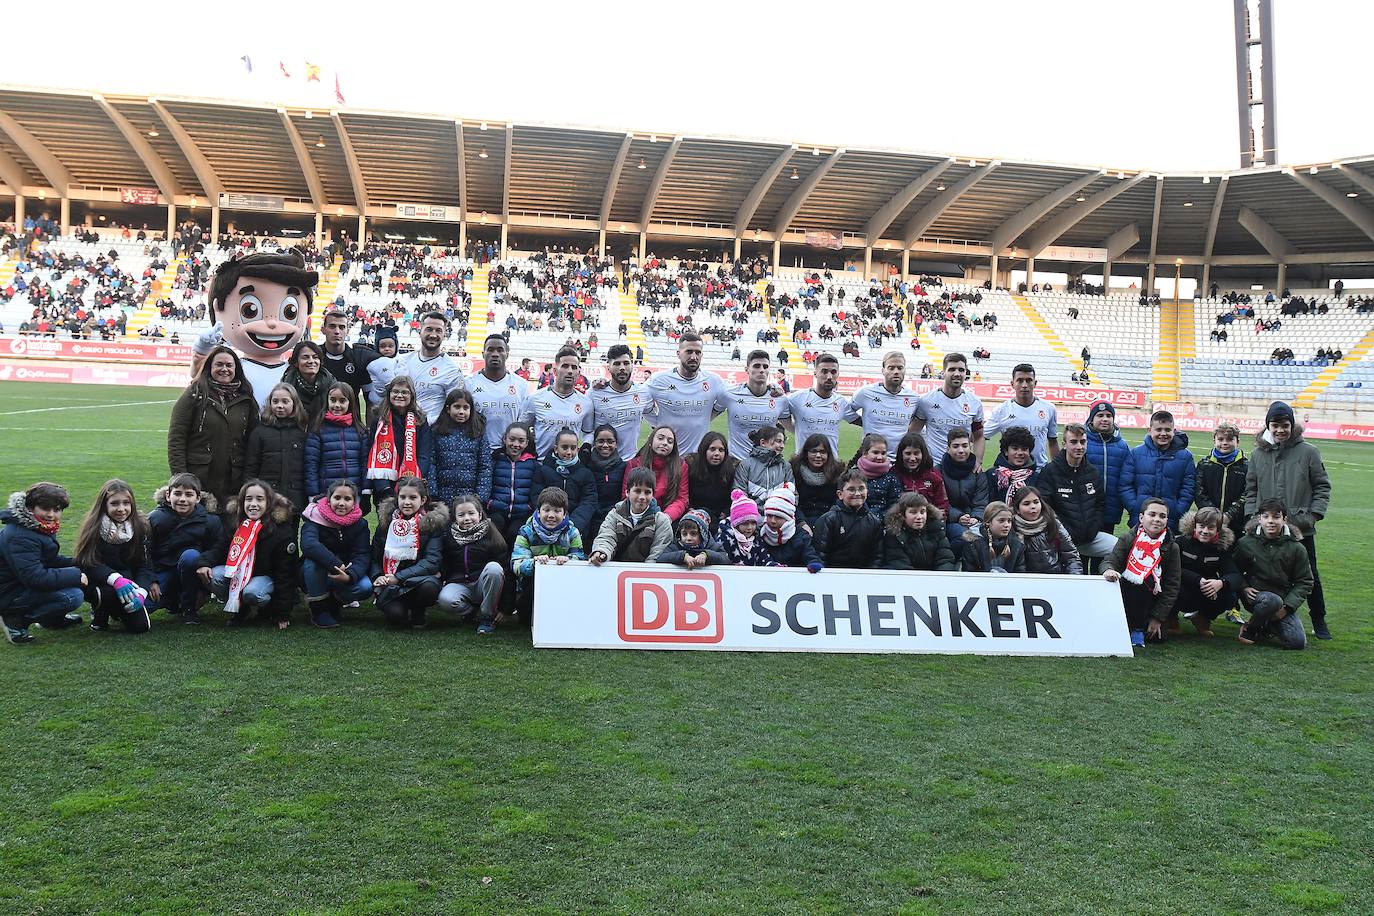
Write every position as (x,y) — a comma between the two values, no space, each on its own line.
(477,314)
(629,314)
(324,299)
(1043,327)
(148,312)
(785,341)
(1323,381)
(1172,330)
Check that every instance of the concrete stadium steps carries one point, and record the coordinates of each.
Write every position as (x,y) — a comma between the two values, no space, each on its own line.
(1308,396)
(477,314)
(324,299)
(629,313)
(930,351)
(147,313)
(789,346)
(1165,379)
(1051,338)
(1187,320)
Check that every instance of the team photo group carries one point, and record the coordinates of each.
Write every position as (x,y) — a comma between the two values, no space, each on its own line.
(352,473)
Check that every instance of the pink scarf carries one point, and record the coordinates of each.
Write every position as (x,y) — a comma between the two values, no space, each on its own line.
(873,469)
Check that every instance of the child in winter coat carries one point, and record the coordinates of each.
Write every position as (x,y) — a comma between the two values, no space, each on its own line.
(883,486)
(711,475)
(601,456)
(1146,563)
(847,536)
(996,547)
(255,565)
(913,537)
(635,531)
(548,537)
(182,527)
(400,440)
(276,446)
(765,469)
(917,472)
(338,445)
(1277,577)
(1221,478)
(1161,467)
(1109,453)
(563,468)
(966,491)
(516,479)
(37,584)
(459,460)
(112,550)
(407,553)
(336,552)
(788,543)
(816,472)
(660,455)
(738,533)
(1014,467)
(1211,584)
(694,546)
(1049,546)
(474,557)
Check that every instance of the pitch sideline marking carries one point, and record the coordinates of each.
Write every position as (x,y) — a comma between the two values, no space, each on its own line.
(11,413)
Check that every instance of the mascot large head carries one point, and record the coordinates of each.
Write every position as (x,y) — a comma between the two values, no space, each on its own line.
(263,301)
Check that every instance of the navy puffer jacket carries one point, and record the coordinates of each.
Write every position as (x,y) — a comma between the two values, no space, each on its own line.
(1170,475)
(335,452)
(609,474)
(580,485)
(31,567)
(515,485)
(1109,455)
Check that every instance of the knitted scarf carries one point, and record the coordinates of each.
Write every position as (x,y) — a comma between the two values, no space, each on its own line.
(470,536)
(598,465)
(776,538)
(112,532)
(873,469)
(812,477)
(24,516)
(339,419)
(549,535)
(225,393)
(765,455)
(745,544)
(322,513)
(1026,529)
(243,550)
(402,541)
(383,461)
(1012,479)
(323,380)
(1228,457)
(1146,559)
(957,470)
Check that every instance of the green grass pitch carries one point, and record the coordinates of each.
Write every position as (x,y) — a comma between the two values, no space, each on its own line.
(362,771)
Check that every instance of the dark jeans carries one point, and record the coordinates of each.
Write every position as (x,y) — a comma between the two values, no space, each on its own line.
(47,608)
(1316,599)
(1139,603)
(105,604)
(181,586)
(1191,598)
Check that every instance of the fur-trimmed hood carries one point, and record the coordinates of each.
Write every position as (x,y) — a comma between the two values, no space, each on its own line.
(207,499)
(434,517)
(1289,529)
(281,509)
(1294,438)
(1225,541)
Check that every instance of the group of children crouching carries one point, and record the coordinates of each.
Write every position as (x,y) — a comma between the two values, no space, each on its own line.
(425,553)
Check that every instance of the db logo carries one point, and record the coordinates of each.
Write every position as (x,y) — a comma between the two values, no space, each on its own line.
(670,607)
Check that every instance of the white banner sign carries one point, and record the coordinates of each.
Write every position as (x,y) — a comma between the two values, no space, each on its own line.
(1067,253)
(655,606)
(427,211)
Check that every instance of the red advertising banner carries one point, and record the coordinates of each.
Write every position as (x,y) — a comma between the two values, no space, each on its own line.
(96,350)
(824,238)
(138,196)
(14,370)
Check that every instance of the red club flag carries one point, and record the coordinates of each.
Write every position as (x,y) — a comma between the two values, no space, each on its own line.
(338,93)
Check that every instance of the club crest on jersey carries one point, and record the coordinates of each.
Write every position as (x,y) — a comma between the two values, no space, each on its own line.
(577,408)
(705,386)
(433,371)
(510,389)
(348,368)
(965,408)
(635,398)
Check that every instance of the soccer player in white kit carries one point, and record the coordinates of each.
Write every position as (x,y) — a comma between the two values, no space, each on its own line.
(1025,409)
(686,398)
(498,394)
(433,374)
(621,403)
(820,408)
(885,407)
(950,407)
(560,406)
(753,405)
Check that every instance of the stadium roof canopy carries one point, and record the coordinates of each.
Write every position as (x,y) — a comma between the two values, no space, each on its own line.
(76,145)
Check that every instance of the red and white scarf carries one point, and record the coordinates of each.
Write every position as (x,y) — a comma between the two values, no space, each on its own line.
(243,550)
(1013,479)
(384,462)
(402,542)
(1146,559)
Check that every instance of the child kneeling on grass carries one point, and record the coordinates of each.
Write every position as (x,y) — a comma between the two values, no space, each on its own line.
(694,546)
(914,536)
(1210,580)
(183,526)
(996,547)
(1277,577)
(1146,562)
(636,530)
(336,551)
(254,568)
(112,550)
(474,552)
(548,537)
(37,584)
(786,542)
(407,553)
(738,533)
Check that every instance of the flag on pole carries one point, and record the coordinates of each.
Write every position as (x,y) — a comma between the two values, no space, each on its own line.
(284,72)
(312,72)
(247,62)
(338,93)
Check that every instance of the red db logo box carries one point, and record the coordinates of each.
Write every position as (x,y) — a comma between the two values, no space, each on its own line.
(670,607)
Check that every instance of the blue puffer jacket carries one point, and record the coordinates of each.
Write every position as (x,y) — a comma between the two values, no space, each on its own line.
(515,485)
(1109,455)
(333,453)
(459,464)
(327,545)
(1170,475)
(31,566)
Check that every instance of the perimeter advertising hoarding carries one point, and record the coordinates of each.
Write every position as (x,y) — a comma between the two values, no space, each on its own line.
(655,606)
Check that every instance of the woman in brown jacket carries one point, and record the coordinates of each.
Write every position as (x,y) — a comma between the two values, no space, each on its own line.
(208,432)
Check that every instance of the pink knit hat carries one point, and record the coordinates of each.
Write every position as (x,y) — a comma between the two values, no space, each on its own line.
(742,508)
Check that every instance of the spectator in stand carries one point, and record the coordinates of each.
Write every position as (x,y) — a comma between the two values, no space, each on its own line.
(1286,467)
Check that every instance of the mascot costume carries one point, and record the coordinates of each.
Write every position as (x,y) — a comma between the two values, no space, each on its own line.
(261,306)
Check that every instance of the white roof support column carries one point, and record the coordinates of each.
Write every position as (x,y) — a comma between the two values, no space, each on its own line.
(1121,241)
(462,174)
(794,203)
(47,163)
(162,175)
(205,173)
(1274,243)
(1212,232)
(608,196)
(1049,233)
(655,186)
(1360,217)
(1154,236)
(308,171)
(505,179)
(746,210)
(12,174)
(355,172)
(881,220)
(927,215)
(1005,234)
